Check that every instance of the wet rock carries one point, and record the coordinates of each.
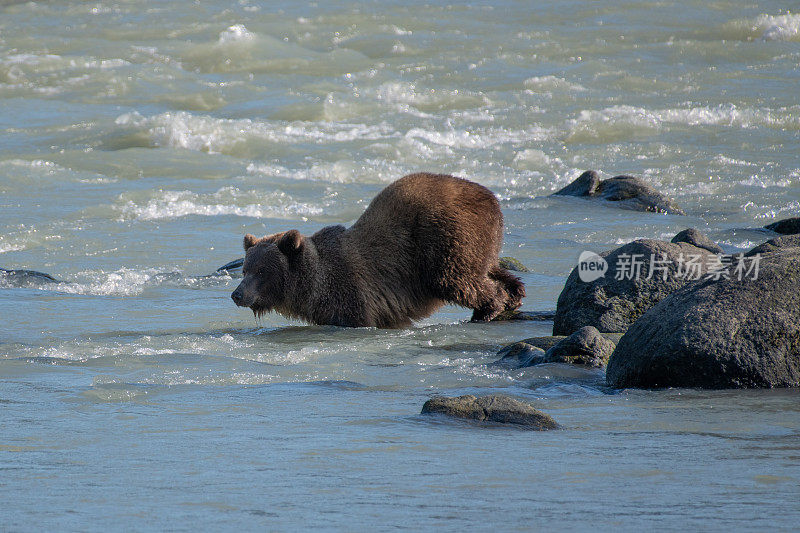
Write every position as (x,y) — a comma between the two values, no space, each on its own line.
(726,333)
(509,263)
(232,268)
(494,408)
(546,342)
(25,278)
(521,354)
(540,316)
(695,237)
(587,346)
(626,191)
(615,300)
(787,226)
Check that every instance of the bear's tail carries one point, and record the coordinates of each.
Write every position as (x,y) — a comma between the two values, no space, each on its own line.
(513,285)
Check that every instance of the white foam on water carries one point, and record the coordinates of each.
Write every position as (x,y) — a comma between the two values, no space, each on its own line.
(777,213)
(407,98)
(552,83)
(225,201)
(778,27)
(235,33)
(10,246)
(479,138)
(19,65)
(622,116)
(764,182)
(343,171)
(22,237)
(724,160)
(219,135)
(122,282)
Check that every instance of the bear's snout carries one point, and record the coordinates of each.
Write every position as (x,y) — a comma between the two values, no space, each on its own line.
(238,296)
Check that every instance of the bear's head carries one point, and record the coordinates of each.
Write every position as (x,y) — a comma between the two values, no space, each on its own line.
(267,272)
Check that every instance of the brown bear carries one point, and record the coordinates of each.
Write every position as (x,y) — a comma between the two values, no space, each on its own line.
(425,240)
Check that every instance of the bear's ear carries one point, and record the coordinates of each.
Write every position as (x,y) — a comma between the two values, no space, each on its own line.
(290,242)
(249,241)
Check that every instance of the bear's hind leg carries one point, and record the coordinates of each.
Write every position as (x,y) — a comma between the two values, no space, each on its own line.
(513,287)
(490,301)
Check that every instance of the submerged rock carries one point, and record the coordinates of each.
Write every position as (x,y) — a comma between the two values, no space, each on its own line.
(25,278)
(628,192)
(787,226)
(726,333)
(495,408)
(696,238)
(234,267)
(509,263)
(612,302)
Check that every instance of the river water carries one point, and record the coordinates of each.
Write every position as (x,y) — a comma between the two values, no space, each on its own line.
(141,141)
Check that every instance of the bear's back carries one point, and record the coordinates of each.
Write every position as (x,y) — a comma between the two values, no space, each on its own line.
(425,232)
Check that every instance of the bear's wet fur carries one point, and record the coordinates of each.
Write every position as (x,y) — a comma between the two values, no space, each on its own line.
(425,240)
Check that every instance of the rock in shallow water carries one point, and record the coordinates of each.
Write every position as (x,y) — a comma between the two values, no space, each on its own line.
(717,334)
(537,316)
(587,346)
(495,408)
(509,263)
(626,191)
(232,268)
(696,238)
(521,354)
(25,278)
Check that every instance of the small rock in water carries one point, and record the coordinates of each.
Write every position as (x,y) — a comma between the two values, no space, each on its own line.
(495,408)
(541,316)
(25,278)
(626,191)
(695,237)
(234,267)
(521,354)
(587,346)
(787,226)
(509,263)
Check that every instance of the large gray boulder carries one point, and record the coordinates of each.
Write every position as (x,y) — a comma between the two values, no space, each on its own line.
(726,333)
(626,191)
(615,300)
(495,408)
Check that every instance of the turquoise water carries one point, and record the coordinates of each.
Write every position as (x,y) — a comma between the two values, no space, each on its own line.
(140,142)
